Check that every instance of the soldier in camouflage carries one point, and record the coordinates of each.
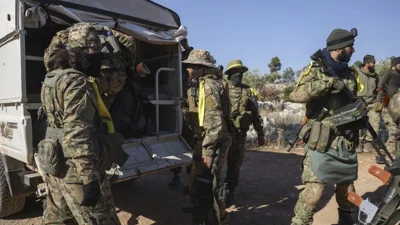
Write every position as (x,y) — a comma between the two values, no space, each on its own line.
(370,80)
(244,112)
(209,111)
(330,155)
(115,67)
(392,82)
(394,106)
(81,195)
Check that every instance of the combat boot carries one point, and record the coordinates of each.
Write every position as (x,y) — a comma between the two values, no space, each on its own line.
(230,199)
(345,218)
(379,160)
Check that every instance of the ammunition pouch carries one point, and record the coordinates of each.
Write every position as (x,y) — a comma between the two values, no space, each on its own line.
(50,154)
(242,120)
(318,136)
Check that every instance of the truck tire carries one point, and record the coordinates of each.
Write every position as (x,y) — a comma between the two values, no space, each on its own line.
(9,205)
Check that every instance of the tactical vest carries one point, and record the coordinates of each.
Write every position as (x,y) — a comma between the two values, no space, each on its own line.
(239,97)
(108,143)
(191,116)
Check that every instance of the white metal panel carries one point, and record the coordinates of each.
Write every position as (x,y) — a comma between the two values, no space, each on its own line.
(16,132)
(12,87)
(8,17)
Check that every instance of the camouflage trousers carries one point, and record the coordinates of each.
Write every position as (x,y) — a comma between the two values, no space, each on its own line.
(306,204)
(389,128)
(235,160)
(197,169)
(63,203)
(374,119)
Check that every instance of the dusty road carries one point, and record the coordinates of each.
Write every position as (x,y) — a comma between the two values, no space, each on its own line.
(270,184)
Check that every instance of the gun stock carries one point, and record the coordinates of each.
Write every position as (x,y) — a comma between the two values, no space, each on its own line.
(381,174)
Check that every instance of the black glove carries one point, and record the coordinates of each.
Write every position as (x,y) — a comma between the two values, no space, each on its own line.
(397,135)
(337,85)
(91,194)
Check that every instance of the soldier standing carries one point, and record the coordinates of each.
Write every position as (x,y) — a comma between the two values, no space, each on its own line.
(244,112)
(392,81)
(330,155)
(209,111)
(78,191)
(370,80)
(394,103)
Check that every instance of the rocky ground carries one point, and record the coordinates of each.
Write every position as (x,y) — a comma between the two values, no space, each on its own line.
(269,186)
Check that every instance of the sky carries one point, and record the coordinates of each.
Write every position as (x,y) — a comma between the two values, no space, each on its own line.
(257,30)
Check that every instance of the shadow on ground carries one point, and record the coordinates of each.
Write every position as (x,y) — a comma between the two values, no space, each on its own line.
(269,186)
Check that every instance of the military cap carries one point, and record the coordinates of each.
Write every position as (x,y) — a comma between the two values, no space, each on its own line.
(340,38)
(236,63)
(395,61)
(84,35)
(368,59)
(200,57)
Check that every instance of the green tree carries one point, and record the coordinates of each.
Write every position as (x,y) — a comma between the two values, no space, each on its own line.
(254,79)
(271,78)
(357,64)
(275,65)
(383,66)
(288,75)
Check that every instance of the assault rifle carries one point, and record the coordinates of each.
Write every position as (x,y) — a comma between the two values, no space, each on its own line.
(353,114)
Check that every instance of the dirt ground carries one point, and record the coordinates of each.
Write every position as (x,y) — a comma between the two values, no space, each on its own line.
(269,185)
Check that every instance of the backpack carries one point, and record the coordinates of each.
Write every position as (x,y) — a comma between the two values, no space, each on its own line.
(114,42)
(127,107)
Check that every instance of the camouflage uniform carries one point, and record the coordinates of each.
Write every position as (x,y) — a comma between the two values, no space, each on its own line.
(71,106)
(369,92)
(392,80)
(394,109)
(114,67)
(245,112)
(212,134)
(330,155)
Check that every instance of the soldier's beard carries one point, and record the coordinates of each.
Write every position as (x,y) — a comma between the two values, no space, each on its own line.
(397,69)
(344,57)
(371,69)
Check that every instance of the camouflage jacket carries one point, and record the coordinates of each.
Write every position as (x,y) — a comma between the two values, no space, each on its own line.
(317,87)
(216,113)
(242,99)
(71,105)
(370,82)
(394,108)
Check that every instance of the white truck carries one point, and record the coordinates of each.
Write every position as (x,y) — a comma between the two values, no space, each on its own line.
(27,27)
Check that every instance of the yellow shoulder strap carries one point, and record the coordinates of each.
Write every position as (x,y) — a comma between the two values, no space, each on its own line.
(360,86)
(201,103)
(254,92)
(104,113)
(305,73)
